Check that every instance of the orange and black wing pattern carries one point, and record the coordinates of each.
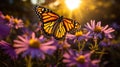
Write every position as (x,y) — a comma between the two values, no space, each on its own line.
(48,19)
(64,26)
(53,24)
(69,24)
(45,14)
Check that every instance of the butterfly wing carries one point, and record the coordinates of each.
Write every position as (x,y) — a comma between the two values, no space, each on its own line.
(51,25)
(45,14)
(59,31)
(48,19)
(64,26)
(48,27)
(69,24)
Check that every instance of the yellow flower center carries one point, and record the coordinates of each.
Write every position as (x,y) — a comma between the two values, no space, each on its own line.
(7,17)
(97,29)
(80,33)
(81,59)
(16,21)
(34,43)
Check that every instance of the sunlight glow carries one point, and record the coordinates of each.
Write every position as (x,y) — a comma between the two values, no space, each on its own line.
(34,2)
(72,4)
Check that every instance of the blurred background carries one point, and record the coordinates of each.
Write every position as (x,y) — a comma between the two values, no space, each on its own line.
(107,11)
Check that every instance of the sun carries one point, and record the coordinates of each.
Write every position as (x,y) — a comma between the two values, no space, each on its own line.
(72,4)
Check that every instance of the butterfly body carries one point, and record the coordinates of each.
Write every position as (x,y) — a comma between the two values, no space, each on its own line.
(59,19)
(54,24)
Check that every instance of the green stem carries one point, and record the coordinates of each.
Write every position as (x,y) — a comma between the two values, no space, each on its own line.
(83,45)
(96,45)
(79,46)
(95,40)
(102,52)
(28,61)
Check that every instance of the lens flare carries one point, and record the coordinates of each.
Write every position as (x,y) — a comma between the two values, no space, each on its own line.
(72,4)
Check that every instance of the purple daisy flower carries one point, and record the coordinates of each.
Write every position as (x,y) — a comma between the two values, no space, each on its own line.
(4,19)
(73,58)
(8,49)
(97,30)
(11,21)
(35,47)
(107,31)
(79,36)
(4,31)
(18,23)
(61,44)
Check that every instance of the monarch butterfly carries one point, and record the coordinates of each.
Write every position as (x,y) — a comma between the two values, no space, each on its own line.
(53,24)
